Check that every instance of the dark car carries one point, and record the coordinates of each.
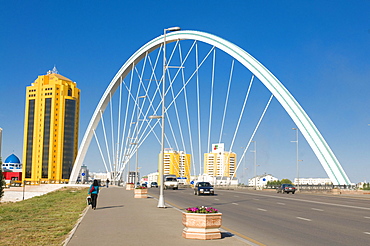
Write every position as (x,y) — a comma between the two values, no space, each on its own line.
(154,184)
(203,188)
(286,188)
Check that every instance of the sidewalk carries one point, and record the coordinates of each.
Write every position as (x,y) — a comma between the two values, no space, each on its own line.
(121,219)
(16,194)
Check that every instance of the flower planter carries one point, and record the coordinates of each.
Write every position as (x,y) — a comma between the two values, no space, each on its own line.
(141,193)
(129,186)
(202,226)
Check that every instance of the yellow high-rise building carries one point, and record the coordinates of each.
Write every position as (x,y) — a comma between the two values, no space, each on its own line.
(219,163)
(177,163)
(50,129)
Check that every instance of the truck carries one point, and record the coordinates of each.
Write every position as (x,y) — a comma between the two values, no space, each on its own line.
(170,182)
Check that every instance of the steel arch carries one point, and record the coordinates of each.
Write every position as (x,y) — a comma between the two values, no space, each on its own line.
(312,135)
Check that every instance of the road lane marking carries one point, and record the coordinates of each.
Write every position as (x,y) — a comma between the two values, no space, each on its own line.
(234,203)
(368,233)
(303,219)
(367,217)
(280,203)
(303,200)
(249,240)
(217,199)
(317,209)
(261,209)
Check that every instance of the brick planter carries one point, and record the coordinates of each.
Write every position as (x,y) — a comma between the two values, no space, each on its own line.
(202,226)
(141,193)
(129,186)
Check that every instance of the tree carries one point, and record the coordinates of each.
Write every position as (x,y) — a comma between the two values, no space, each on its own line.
(273,184)
(2,181)
(286,181)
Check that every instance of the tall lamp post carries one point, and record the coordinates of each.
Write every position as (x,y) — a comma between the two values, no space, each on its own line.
(296,141)
(137,143)
(245,169)
(255,164)
(161,203)
(128,168)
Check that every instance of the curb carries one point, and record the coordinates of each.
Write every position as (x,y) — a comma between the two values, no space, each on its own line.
(71,233)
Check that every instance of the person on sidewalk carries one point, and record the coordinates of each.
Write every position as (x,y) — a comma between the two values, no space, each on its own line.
(107,183)
(94,191)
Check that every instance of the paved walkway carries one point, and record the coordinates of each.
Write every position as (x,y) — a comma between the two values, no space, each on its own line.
(121,219)
(16,194)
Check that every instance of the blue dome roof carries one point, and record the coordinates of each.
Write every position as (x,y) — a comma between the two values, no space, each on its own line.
(12,159)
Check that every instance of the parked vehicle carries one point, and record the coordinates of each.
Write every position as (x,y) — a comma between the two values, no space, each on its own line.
(286,188)
(154,184)
(203,188)
(170,182)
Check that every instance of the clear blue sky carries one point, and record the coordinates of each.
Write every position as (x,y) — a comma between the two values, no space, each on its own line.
(320,50)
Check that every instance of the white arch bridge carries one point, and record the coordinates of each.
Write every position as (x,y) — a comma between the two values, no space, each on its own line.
(208,99)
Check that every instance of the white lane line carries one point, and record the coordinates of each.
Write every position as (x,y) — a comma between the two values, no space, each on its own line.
(261,209)
(317,209)
(367,217)
(217,199)
(368,233)
(234,203)
(303,219)
(303,200)
(280,203)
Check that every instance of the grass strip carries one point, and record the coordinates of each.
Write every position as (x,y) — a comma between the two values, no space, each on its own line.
(42,220)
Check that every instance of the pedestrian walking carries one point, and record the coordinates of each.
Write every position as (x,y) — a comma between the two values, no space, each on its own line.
(94,191)
(107,183)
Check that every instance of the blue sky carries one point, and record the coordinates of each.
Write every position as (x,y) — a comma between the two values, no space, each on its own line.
(320,50)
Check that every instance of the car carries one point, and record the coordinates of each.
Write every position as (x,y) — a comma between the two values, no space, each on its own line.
(144,185)
(170,182)
(203,188)
(286,188)
(154,184)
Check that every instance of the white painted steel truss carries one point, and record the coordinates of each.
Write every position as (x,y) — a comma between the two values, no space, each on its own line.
(312,135)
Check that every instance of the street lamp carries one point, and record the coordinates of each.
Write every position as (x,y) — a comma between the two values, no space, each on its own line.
(161,203)
(296,141)
(244,170)
(255,165)
(136,143)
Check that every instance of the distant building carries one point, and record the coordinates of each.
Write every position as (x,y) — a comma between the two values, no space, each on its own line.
(132,176)
(12,164)
(313,181)
(216,180)
(177,163)
(260,181)
(152,177)
(83,175)
(12,168)
(219,163)
(50,129)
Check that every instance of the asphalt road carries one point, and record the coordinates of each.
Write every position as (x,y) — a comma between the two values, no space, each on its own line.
(281,219)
